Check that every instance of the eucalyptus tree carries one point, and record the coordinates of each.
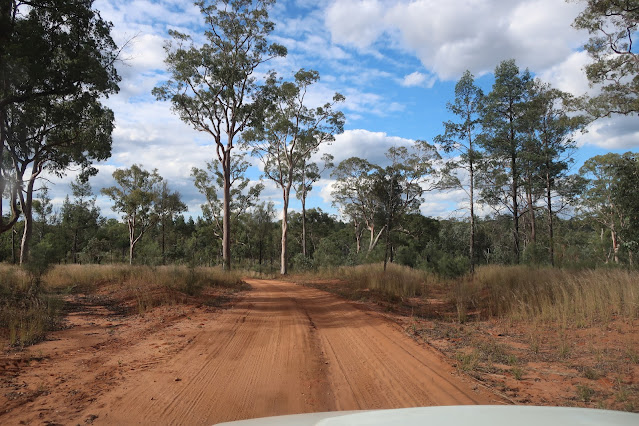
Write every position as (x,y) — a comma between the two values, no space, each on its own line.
(612,24)
(554,122)
(625,196)
(213,87)
(243,194)
(167,207)
(309,173)
(135,196)
(399,187)
(504,131)
(599,199)
(50,51)
(290,133)
(352,191)
(51,135)
(610,200)
(460,138)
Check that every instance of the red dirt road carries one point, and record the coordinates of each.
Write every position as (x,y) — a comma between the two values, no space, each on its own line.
(282,349)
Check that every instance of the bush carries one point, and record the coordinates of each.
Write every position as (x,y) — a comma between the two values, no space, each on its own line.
(302,263)
(25,313)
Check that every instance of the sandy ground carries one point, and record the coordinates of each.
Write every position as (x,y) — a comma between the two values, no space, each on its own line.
(281,349)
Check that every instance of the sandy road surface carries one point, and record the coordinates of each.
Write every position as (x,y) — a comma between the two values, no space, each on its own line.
(281,349)
(287,349)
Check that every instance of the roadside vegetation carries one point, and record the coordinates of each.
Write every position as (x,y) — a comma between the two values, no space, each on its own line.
(552,268)
(534,334)
(29,311)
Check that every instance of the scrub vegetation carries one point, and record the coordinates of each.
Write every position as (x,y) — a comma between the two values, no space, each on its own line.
(543,288)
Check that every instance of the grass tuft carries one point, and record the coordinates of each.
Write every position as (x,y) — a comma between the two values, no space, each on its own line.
(395,283)
(567,298)
(28,312)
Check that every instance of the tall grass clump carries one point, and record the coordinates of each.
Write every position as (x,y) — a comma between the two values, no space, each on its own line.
(187,280)
(553,295)
(397,281)
(31,305)
(26,313)
(84,278)
(171,285)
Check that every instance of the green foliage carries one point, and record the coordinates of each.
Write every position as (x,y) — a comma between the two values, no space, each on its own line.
(136,197)
(80,218)
(56,62)
(43,255)
(302,263)
(335,250)
(212,87)
(612,24)
(609,200)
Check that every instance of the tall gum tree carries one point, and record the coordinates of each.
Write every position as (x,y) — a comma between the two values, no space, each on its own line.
(290,133)
(309,173)
(49,51)
(459,139)
(400,187)
(51,135)
(601,200)
(503,137)
(213,87)
(354,178)
(243,194)
(554,122)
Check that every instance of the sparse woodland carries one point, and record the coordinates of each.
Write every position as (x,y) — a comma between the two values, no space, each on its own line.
(540,240)
(508,150)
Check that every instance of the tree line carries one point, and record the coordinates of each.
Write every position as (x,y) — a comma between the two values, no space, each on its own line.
(509,150)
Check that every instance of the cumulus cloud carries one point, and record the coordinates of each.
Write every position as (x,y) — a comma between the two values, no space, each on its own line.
(417,79)
(371,146)
(453,36)
(614,133)
(356,22)
(568,75)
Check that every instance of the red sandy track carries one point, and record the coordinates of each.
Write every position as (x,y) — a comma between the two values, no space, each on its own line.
(283,349)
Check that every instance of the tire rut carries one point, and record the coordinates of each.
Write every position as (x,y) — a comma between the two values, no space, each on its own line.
(287,349)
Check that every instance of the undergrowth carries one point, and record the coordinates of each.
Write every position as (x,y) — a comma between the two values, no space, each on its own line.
(31,304)
(396,282)
(567,298)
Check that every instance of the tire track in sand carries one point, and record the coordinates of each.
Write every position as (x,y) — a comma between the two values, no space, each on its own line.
(287,349)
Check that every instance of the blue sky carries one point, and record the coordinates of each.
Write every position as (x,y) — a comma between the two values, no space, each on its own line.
(396,61)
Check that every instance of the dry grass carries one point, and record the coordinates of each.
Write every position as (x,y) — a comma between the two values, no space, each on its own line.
(396,282)
(27,313)
(568,298)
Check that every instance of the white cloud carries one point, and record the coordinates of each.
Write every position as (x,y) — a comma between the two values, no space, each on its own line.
(450,37)
(418,79)
(614,133)
(569,74)
(371,146)
(355,22)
